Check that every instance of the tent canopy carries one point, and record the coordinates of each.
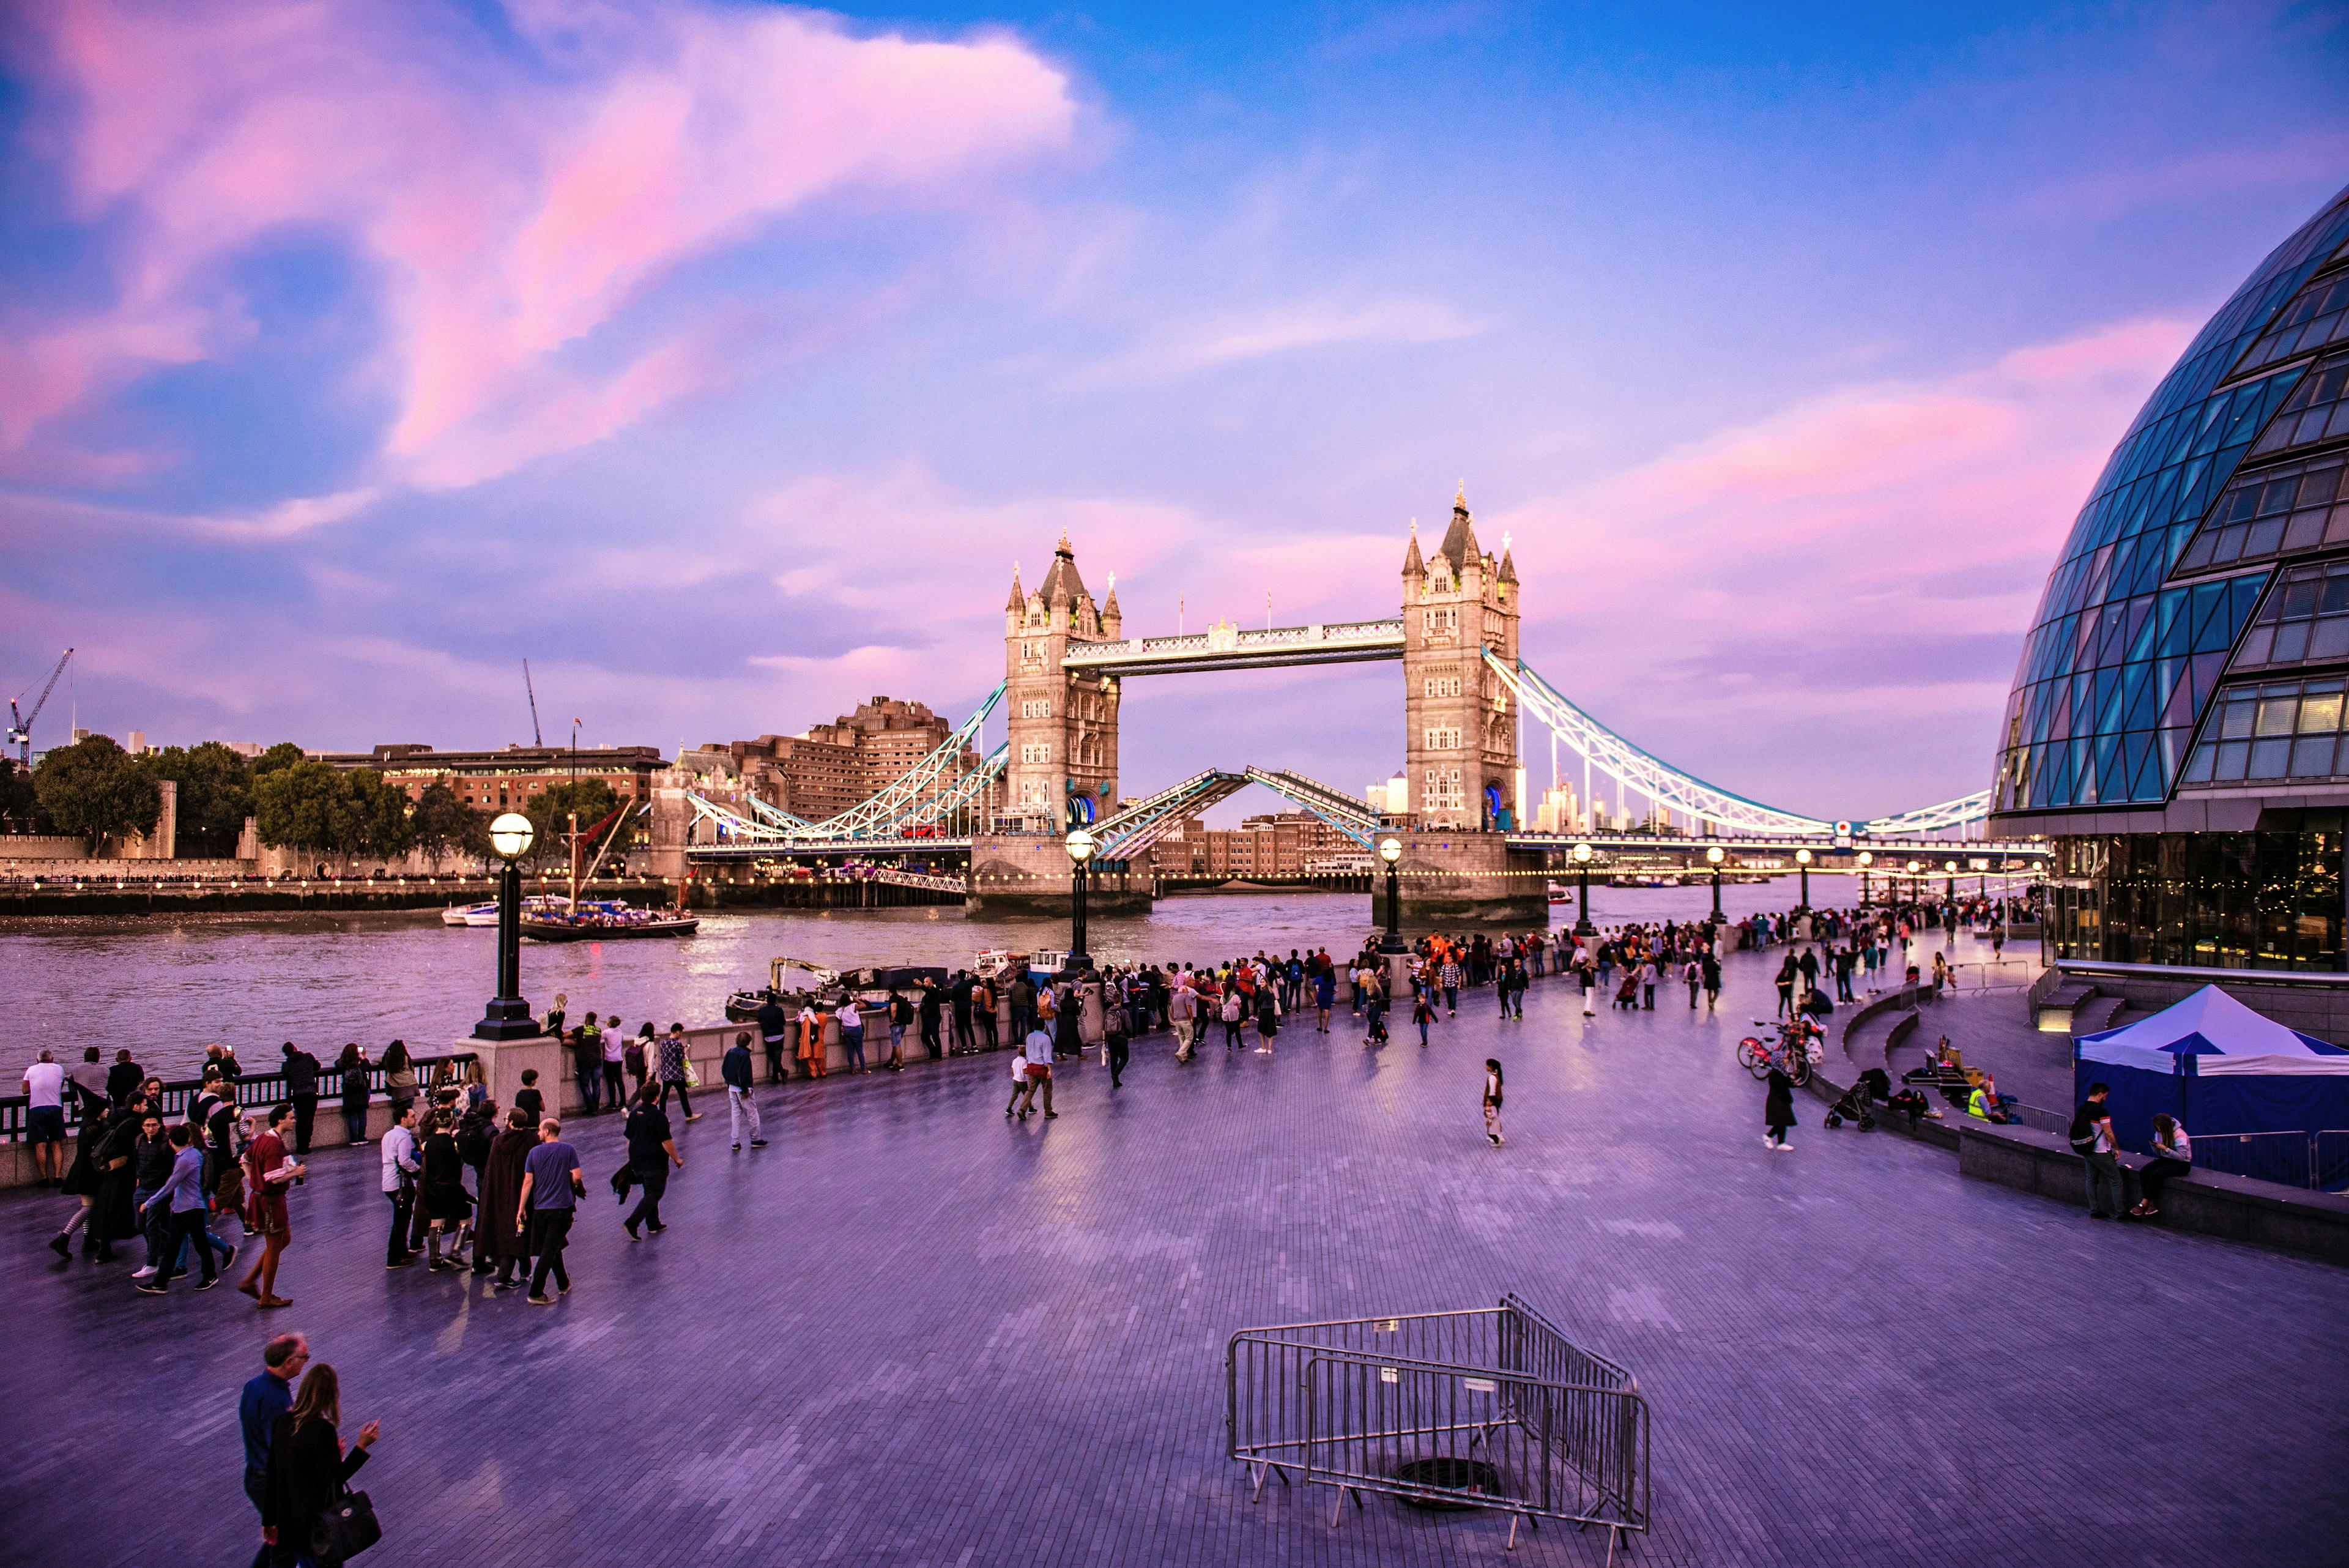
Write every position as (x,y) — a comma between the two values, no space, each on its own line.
(2224,1037)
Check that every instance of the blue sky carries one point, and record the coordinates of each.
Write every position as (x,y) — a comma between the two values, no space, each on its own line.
(721,359)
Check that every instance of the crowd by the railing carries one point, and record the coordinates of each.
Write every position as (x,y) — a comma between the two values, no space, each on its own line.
(247,1090)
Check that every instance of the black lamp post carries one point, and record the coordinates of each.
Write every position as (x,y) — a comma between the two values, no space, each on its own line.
(1866,858)
(507,1017)
(1716,856)
(1803,865)
(1080,846)
(1391,851)
(1582,926)
(1916,888)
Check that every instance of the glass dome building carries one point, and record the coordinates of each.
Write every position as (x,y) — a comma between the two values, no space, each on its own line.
(2176,722)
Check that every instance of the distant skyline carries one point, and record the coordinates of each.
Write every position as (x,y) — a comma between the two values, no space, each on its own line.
(722,359)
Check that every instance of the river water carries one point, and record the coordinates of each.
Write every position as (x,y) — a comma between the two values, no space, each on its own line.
(166,987)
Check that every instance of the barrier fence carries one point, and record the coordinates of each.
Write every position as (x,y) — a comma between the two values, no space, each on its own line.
(253,1091)
(1492,1407)
(2317,1161)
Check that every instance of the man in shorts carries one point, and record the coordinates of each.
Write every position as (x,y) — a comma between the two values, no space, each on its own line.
(1040,1071)
(45,1119)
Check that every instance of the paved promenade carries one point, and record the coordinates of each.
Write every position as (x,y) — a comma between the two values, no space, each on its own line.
(911,1332)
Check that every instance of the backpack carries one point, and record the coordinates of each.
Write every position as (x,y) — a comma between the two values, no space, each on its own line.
(2083,1132)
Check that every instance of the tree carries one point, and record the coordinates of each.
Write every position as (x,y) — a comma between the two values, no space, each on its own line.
(215,795)
(283,754)
(20,803)
(377,815)
(441,823)
(95,788)
(550,815)
(302,805)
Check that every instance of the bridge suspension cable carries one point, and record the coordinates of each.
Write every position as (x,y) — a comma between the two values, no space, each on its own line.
(1670,787)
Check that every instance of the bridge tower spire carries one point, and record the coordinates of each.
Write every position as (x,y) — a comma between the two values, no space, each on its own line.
(1460,721)
(1062,723)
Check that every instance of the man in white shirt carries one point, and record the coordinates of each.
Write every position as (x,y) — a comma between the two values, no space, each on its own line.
(45,1119)
(401,1166)
(1040,1071)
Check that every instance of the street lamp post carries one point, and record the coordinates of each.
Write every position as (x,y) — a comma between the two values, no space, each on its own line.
(507,1017)
(1715,857)
(1803,865)
(1867,859)
(1582,926)
(1080,846)
(1391,851)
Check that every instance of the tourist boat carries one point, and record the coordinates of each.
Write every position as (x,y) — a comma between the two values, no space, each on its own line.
(461,915)
(994,961)
(1560,894)
(793,984)
(602,919)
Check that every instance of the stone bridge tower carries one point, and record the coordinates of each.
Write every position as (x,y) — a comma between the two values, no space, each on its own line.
(1063,726)
(1460,742)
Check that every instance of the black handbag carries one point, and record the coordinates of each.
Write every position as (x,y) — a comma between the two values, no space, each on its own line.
(343,1530)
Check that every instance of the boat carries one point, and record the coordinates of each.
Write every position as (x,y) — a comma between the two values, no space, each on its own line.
(486,914)
(828,988)
(603,919)
(994,961)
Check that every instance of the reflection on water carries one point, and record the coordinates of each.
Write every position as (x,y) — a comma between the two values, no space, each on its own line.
(166,987)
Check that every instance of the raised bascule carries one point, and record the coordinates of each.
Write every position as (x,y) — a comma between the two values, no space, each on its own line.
(1460,804)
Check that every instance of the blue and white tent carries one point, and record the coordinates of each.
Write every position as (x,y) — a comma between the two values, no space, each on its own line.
(2216,1066)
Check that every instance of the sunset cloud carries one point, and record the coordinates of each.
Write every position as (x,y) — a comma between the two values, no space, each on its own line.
(508,211)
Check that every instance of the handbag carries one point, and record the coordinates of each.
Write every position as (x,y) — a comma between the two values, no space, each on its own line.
(343,1529)
(692,1073)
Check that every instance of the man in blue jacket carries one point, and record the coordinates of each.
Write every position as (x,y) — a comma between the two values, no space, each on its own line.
(736,1070)
(267,1395)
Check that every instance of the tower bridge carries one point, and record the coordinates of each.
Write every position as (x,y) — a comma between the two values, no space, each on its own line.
(1460,804)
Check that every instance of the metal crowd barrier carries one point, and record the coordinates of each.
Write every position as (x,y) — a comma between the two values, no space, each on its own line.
(1492,1407)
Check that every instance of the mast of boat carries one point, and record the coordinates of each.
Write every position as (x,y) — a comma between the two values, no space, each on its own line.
(574,816)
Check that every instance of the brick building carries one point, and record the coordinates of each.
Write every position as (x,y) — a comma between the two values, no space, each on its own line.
(1282,843)
(505,780)
(833,767)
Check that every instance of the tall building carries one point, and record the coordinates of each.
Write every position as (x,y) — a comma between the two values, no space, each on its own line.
(2175,725)
(1062,723)
(1460,723)
(505,780)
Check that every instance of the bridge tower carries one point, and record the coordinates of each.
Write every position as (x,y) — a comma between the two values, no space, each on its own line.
(1460,723)
(1062,723)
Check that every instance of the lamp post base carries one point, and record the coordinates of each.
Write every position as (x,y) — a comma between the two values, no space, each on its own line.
(506,1018)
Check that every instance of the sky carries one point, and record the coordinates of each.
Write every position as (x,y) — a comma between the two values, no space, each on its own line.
(721,359)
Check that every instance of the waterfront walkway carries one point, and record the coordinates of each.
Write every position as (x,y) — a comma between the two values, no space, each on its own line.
(911,1332)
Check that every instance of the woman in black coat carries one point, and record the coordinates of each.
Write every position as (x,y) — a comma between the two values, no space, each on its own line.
(440,1190)
(1778,1109)
(117,1215)
(307,1467)
(353,1066)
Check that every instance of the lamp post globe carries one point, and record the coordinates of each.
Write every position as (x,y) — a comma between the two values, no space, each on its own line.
(1803,866)
(1080,845)
(1391,851)
(1582,926)
(507,1017)
(1866,857)
(1713,856)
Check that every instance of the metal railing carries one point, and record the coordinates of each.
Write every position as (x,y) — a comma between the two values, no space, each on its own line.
(1492,1407)
(2316,1160)
(252,1091)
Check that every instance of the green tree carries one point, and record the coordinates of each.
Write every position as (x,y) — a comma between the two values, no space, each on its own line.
(283,754)
(441,824)
(215,795)
(20,802)
(303,804)
(377,815)
(95,788)
(550,816)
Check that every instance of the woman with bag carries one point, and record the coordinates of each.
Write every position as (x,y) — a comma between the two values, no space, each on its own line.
(303,1514)
(398,1077)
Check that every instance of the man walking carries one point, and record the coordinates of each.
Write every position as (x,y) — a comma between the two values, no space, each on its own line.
(1040,1072)
(736,1070)
(181,1201)
(266,1396)
(672,1070)
(300,1070)
(1183,1017)
(401,1168)
(500,1236)
(551,1186)
(651,1151)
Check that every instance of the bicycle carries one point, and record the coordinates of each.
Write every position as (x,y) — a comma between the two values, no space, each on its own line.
(1794,1052)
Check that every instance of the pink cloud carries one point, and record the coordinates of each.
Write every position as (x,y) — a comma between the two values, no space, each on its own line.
(510,211)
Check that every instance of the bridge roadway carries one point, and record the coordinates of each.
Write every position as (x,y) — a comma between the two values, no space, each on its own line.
(912,1331)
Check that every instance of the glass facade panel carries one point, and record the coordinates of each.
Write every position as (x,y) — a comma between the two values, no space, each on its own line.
(2269,900)
(2122,662)
(2271,730)
(2304,620)
(2317,409)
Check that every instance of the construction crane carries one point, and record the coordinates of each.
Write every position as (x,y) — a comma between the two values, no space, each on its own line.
(20,723)
(535,738)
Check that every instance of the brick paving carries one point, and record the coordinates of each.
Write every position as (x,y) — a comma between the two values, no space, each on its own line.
(911,1332)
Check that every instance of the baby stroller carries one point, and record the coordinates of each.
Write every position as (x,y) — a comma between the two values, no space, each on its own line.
(1858,1105)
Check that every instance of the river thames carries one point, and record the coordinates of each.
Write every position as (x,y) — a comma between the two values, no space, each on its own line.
(167,987)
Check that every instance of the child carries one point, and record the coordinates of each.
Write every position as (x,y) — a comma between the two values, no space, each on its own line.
(1493,1101)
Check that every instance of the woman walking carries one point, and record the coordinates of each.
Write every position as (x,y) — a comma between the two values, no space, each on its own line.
(1779,1108)
(1493,1101)
(269,1170)
(308,1468)
(442,1194)
(353,1066)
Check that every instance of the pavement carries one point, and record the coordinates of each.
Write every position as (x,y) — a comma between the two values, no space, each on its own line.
(913,1332)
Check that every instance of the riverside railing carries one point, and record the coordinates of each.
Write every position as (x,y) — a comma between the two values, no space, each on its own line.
(2316,1160)
(253,1091)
